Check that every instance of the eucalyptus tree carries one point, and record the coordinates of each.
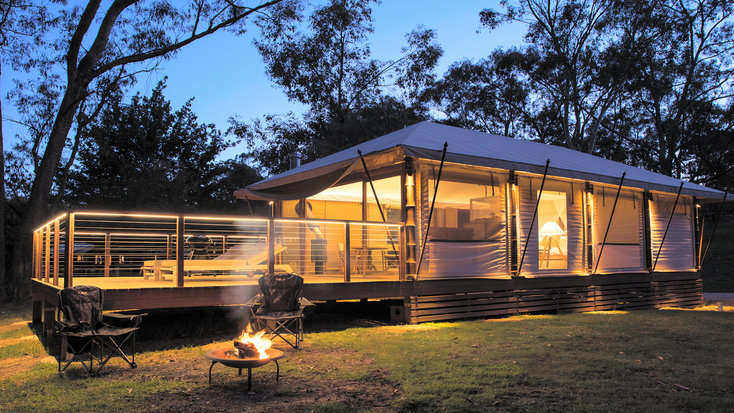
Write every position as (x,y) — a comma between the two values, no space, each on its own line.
(489,95)
(106,43)
(680,90)
(325,62)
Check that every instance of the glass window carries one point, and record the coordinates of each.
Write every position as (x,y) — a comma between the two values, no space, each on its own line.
(552,231)
(388,190)
(466,212)
(337,202)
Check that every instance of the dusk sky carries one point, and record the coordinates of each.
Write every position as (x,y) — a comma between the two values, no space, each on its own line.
(225,74)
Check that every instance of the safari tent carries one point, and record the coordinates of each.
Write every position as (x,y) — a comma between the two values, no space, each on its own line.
(495,202)
(448,222)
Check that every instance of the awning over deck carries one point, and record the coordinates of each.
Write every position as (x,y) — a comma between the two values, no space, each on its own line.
(425,140)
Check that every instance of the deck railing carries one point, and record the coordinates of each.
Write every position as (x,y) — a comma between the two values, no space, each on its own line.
(139,250)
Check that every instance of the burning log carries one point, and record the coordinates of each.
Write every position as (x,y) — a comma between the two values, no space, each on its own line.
(246,349)
(249,345)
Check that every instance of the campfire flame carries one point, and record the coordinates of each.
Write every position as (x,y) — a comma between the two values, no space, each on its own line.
(256,340)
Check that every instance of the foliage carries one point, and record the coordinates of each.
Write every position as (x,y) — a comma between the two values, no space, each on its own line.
(646,83)
(146,155)
(351,97)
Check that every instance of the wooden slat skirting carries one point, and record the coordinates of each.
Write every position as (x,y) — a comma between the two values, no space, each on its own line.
(632,292)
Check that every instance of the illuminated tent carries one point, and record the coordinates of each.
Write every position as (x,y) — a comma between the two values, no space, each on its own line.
(481,223)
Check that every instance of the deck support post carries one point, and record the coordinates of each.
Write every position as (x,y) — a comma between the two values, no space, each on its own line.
(609,224)
(667,226)
(430,213)
(532,222)
(69,276)
(180,228)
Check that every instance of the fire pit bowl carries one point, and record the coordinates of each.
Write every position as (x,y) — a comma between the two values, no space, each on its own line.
(227,356)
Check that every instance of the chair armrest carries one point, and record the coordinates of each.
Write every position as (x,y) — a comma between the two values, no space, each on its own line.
(123,320)
(255,301)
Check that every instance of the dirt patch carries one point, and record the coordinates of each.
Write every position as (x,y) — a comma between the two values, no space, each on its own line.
(308,379)
(290,394)
(17,365)
(13,326)
(10,341)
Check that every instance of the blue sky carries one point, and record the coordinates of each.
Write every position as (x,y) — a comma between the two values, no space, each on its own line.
(226,76)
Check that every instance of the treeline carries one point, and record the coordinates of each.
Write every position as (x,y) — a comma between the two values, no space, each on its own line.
(645,83)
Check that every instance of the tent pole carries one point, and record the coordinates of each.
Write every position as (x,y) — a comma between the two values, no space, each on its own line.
(377,200)
(700,240)
(609,224)
(532,222)
(249,205)
(670,218)
(713,231)
(430,213)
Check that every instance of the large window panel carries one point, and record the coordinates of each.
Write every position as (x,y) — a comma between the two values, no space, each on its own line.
(467,211)
(467,236)
(337,202)
(388,191)
(623,250)
(552,231)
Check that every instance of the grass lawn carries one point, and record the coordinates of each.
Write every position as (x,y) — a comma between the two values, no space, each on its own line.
(613,361)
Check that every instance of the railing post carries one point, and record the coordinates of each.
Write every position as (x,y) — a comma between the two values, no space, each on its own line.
(56,252)
(347,254)
(107,256)
(47,253)
(69,276)
(180,251)
(271,247)
(35,254)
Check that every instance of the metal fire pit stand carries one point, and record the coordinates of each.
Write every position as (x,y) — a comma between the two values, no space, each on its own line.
(227,357)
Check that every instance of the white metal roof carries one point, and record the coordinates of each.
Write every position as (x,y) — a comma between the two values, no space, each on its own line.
(522,154)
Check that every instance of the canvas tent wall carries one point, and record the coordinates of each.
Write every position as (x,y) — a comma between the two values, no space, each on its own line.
(572,216)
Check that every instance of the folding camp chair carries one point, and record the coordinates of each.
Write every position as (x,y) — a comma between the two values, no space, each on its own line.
(279,307)
(88,334)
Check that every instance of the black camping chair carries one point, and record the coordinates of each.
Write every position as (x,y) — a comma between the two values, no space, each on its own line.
(279,307)
(88,334)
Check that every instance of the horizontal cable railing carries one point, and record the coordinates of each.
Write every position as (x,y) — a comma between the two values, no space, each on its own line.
(138,250)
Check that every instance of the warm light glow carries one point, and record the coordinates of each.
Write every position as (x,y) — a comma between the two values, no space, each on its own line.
(51,221)
(376,224)
(261,344)
(551,229)
(123,214)
(223,218)
(409,180)
(119,234)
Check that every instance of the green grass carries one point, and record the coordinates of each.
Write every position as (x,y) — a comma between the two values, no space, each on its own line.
(639,361)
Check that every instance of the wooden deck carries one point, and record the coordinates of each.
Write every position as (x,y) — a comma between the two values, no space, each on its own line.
(425,300)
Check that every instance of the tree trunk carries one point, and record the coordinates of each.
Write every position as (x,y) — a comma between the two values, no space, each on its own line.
(2,198)
(38,207)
